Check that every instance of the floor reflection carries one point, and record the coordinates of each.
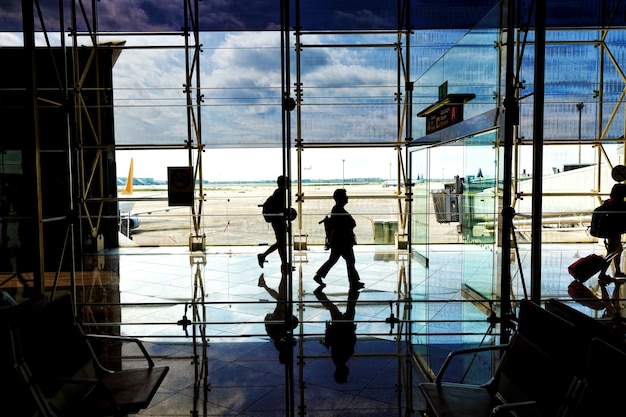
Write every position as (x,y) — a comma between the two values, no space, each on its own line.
(340,335)
(242,342)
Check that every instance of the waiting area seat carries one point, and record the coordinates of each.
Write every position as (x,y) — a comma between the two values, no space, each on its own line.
(17,396)
(609,330)
(547,369)
(61,373)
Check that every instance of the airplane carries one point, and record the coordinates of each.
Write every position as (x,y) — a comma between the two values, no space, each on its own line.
(566,206)
(125,207)
(129,219)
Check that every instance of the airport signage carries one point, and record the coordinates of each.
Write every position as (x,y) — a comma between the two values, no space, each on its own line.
(444,117)
(180,186)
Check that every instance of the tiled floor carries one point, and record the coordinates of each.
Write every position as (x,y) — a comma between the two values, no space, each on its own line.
(224,362)
(205,316)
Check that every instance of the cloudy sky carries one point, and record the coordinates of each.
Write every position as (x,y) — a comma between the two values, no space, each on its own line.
(348,96)
(241,115)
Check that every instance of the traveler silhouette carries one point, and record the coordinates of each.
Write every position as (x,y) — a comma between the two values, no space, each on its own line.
(614,241)
(275,324)
(340,336)
(341,241)
(274,210)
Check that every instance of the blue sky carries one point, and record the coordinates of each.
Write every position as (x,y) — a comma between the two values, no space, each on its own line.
(348,97)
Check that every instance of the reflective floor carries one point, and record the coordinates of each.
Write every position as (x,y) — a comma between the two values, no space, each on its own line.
(213,319)
(217,319)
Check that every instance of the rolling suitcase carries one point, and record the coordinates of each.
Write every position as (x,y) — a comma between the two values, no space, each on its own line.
(579,292)
(586,267)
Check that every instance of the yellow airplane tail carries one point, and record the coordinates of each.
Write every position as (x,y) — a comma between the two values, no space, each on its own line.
(129,181)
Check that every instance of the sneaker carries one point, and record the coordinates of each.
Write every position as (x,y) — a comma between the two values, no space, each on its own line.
(261,259)
(319,281)
(358,285)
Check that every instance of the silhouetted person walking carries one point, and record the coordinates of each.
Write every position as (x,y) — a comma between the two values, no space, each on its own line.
(340,336)
(341,241)
(273,211)
(614,241)
(275,323)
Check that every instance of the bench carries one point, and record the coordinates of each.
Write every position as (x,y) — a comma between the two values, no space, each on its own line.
(526,378)
(559,362)
(600,392)
(17,397)
(532,378)
(586,326)
(63,375)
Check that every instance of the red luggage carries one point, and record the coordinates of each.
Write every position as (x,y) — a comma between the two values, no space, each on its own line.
(585,296)
(586,267)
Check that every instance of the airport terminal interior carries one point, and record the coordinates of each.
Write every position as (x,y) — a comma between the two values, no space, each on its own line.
(472,142)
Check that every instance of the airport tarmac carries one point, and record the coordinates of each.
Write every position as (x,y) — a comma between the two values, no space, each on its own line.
(231,215)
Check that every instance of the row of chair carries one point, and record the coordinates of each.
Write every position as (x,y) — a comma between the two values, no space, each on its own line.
(550,367)
(49,367)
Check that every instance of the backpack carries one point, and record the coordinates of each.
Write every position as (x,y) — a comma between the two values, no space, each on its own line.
(271,208)
(328,231)
(608,219)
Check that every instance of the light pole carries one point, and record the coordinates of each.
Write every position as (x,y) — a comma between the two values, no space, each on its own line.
(343,175)
(580,107)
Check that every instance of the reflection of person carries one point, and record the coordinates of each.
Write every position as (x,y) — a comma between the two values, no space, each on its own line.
(340,336)
(273,210)
(614,242)
(341,241)
(275,325)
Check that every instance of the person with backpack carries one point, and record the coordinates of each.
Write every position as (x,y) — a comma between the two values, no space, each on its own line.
(274,213)
(617,206)
(341,241)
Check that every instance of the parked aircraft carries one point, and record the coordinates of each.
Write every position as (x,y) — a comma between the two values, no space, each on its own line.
(125,206)
(129,216)
(569,197)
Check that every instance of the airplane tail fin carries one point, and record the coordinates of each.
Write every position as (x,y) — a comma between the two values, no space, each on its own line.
(129,181)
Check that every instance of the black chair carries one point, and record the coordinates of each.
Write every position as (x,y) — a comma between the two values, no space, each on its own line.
(586,326)
(556,336)
(527,381)
(67,373)
(600,392)
(17,396)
